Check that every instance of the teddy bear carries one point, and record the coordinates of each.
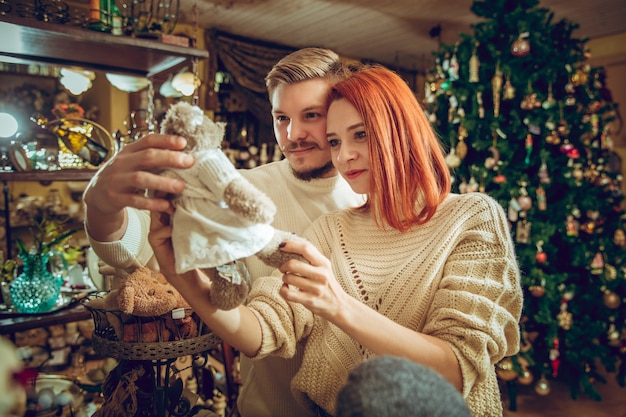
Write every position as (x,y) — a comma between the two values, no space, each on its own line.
(146,300)
(220,217)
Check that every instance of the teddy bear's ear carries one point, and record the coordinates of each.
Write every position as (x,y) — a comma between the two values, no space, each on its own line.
(126,299)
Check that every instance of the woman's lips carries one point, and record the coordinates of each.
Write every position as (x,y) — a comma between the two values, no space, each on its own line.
(353,173)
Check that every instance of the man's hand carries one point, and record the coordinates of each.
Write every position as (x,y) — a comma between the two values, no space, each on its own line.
(131,179)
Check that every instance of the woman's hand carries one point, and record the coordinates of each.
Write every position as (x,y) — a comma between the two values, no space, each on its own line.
(314,286)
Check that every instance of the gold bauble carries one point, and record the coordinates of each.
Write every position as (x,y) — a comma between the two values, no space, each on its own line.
(611,300)
(526,378)
(542,387)
(505,370)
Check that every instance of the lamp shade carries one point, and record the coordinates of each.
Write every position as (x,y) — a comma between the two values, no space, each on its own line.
(185,82)
(76,81)
(168,90)
(8,125)
(127,83)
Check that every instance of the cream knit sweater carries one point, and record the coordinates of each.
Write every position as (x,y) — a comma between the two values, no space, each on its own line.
(455,278)
(298,204)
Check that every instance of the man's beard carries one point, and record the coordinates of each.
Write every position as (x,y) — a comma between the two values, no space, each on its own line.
(315,173)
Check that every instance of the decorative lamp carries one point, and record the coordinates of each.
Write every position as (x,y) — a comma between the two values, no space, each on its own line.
(186,82)
(8,125)
(127,83)
(168,90)
(76,81)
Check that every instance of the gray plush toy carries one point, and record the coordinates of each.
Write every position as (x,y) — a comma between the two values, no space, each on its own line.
(220,217)
(389,386)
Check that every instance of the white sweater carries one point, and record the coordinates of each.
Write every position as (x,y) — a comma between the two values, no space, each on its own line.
(455,278)
(266,387)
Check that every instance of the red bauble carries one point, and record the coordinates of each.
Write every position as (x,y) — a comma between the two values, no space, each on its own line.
(521,47)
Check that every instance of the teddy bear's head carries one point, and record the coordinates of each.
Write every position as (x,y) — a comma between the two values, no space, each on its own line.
(190,122)
(146,293)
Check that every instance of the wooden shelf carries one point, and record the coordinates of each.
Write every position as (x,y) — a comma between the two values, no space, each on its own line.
(29,40)
(13,322)
(60,175)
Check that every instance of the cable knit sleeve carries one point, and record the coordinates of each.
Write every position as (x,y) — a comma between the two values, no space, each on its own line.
(133,249)
(478,305)
(283,324)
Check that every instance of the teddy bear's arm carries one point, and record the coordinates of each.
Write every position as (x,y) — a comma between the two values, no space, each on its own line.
(248,201)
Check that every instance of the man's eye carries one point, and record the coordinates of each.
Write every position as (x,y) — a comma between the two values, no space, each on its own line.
(311,115)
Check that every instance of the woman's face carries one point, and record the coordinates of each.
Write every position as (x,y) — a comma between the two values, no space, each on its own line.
(348,142)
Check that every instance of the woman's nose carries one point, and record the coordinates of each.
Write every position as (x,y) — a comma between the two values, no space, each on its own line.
(345,154)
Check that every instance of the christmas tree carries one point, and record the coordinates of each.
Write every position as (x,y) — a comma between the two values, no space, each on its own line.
(528,121)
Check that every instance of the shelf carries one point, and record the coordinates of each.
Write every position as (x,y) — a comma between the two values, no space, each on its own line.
(29,40)
(60,175)
(12,322)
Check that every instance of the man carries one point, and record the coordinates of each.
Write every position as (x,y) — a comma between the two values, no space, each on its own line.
(303,186)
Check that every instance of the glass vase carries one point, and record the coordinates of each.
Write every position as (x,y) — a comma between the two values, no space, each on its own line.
(36,289)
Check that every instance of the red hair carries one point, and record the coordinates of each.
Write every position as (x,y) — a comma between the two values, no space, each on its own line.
(409,175)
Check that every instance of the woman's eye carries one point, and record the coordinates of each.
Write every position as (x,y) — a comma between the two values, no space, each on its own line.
(281,118)
(311,115)
(333,142)
(360,135)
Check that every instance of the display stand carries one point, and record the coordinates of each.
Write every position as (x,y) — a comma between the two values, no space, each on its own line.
(155,359)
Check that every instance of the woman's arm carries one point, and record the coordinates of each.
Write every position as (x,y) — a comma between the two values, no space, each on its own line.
(238,327)
(319,291)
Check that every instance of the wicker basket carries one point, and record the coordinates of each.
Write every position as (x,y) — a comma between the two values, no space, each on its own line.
(168,340)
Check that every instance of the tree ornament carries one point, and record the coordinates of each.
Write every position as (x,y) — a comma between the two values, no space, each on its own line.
(521,47)
(544,176)
(474,63)
(509,90)
(597,264)
(555,362)
(611,300)
(491,162)
(553,138)
(453,71)
(549,102)
(542,387)
(461,146)
(571,226)
(580,77)
(505,369)
(610,272)
(522,231)
(542,203)
(514,209)
(472,185)
(565,318)
(526,378)
(613,335)
(537,291)
(496,87)
(541,256)
(452,160)
(481,108)
(619,238)
(528,143)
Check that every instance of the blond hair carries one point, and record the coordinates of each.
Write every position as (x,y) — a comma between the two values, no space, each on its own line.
(303,64)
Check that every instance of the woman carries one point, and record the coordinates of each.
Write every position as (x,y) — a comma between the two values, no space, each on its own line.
(415,272)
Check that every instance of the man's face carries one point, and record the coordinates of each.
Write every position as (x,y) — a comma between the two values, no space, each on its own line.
(299,119)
